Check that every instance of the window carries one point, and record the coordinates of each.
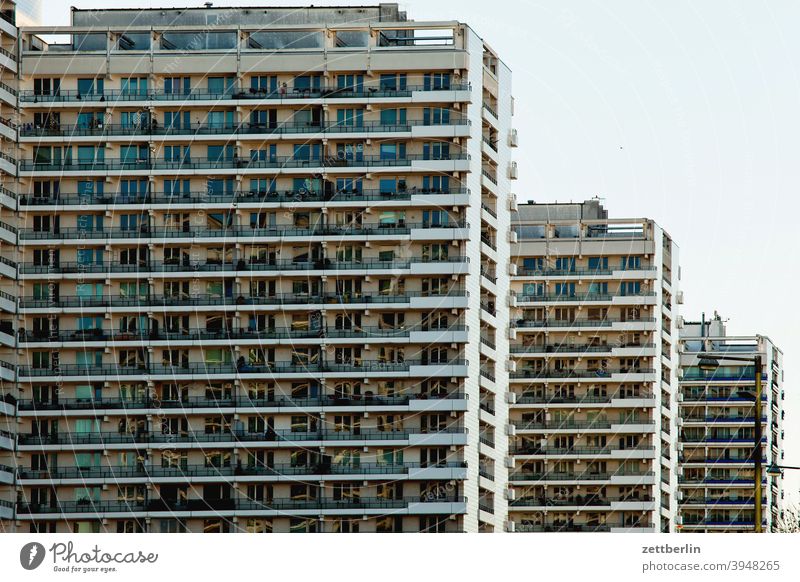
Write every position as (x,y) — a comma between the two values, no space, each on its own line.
(436,151)
(275,40)
(436,81)
(90,42)
(393,151)
(91,86)
(177,85)
(435,116)
(353,83)
(134,41)
(393,82)
(134,86)
(598,263)
(198,41)
(221,85)
(350,117)
(393,116)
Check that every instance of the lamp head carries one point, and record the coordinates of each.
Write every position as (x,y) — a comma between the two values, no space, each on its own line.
(708,364)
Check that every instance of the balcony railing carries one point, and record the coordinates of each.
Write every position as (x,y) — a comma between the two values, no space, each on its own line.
(576,475)
(588,500)
(534,449)
(234,232)
(285,299)
(587,297)
(147,131)
(606,322)
(286,436)
(599,373)
(275,163)
(112,96)
(572,527)
(582,424)
(587,272)
(89,335)
(580,398)
(216,505)
(367,399)
(234,267)
(572,348)
(253,196)
(188,471)
(203,369)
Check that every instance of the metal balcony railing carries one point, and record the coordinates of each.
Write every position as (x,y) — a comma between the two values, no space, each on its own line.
(368,399)
(204,369)
(252,196)
(228,268)
(112,96)
(286,436)
(191,163)
(561,323)
(215,505)
(201,334)
(246,232)
(566,373)
(574,348)
(198,300)
(182,472)
(576,475)
(147,131)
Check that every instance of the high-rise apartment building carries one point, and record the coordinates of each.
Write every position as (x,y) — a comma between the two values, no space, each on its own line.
(592,339)
(261,270)
(250,271)
(717,430)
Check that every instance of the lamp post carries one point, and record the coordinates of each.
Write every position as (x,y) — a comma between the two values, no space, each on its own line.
(709,363)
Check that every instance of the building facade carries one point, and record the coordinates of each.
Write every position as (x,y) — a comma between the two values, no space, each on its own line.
(592,343)
(717,430)
(250,271)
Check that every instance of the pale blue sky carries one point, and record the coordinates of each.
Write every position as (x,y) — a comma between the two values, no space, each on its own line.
(685,112)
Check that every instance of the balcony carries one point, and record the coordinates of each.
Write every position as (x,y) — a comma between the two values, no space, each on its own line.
(226,131)
(238,472)
(718,501)
(218,268)
(227,335)
(245,233)
(278,438)
(608,373)
(519,476)
(367,400)
(581,297)
(241,197)
(718,418)
(578,323)
(523,273)
(278,163)
(581,501)
(280,299)
(213,507)
(536,349)
(538,450)
(595,424)
(112,97)
(205,370)
(554,399)
(565,527)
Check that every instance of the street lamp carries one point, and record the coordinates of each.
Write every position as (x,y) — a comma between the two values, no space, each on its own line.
(709,363)
(777,470)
